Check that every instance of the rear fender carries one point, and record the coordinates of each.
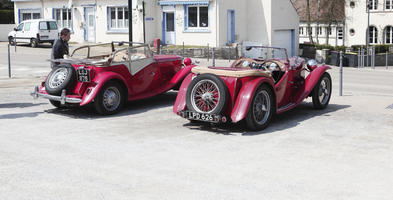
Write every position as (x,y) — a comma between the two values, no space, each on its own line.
(180,75)
(313,78)
(180,103)
(100,81)
(245,96)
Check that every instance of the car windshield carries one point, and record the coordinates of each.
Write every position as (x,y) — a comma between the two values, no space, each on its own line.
(92,51)
(265,53)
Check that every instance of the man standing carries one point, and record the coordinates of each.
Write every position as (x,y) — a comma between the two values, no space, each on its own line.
(60,47)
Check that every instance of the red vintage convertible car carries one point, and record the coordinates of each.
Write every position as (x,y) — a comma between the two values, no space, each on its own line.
(108,75)
(252,90)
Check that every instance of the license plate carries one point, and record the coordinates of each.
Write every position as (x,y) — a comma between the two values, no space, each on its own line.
(83,75)
(202,117)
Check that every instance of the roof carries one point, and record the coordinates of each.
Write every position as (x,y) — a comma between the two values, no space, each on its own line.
(329,9)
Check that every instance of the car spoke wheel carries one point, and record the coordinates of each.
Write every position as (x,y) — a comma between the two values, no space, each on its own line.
(110,99)
(207,94)
(322,92)
(261,109)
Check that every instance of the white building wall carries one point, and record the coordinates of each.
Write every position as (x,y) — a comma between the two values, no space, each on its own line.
(356,19)
(259,21)
(333,38)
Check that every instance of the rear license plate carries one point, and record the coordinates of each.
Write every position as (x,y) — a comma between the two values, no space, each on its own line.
(83,75)
(202,117)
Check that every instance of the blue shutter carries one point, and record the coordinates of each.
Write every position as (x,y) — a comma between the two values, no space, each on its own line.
(53,13)
(108,18)
(185,18)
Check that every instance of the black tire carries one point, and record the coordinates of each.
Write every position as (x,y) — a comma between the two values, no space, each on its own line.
(34,43)
(322,92)
(110,99)
(11,41)
(262,109)
(61,77)
(56,104)
(217,85)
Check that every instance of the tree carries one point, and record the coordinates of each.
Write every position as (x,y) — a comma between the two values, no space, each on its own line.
(334,13)
(309,30)
(6,5)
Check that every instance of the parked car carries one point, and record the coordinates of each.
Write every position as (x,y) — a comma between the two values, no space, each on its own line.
(252,89)
(34,32)
(107,75)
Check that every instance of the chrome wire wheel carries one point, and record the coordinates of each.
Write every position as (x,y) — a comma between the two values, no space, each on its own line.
(205,96)
(111,98)
(58,77)
(324,90)
(261,107)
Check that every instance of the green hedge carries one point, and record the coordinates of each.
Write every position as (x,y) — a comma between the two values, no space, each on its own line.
(7,17)
(379,48)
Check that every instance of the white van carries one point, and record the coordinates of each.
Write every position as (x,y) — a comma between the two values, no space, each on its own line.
(34,32)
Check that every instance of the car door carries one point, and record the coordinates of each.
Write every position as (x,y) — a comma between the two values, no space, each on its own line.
(19,32)
(145,76)
(43,30)
(53,32)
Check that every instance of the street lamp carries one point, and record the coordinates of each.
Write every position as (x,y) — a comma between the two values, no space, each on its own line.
(130,20)
(369,6)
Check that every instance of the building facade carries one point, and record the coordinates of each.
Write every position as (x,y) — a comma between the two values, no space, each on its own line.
(356,22)
(192,22)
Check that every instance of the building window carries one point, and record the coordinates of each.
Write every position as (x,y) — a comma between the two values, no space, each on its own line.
(389,35)
(319,30)
(118,18)
(352,4)
(373,35)
(373,4)
(301,31)
(63,17)
(26,14)
(388,4)
(309,30)
(198,17)
(340,33)
(328,30)
(352,32)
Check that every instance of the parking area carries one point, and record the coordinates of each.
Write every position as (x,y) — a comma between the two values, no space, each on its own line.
(147,152)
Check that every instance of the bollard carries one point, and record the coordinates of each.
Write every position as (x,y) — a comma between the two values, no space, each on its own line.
(359,58)
(341,73)
(15,42)
(387,60)
(9,61)
(213,58)
(229,54)
(208,52)
(183,49)
(373,56)
(362,57)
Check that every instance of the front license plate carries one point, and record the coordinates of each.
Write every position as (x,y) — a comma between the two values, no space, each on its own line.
(202,117)
(83,75)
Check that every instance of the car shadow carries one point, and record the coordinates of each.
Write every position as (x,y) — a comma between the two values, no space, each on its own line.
(131,108)
(279,122)
(20,115)
(20,105)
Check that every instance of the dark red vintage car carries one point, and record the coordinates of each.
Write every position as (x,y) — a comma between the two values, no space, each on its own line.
(108,75)
(252,90)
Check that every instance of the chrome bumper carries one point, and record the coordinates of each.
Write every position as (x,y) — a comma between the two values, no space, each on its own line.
(63,99)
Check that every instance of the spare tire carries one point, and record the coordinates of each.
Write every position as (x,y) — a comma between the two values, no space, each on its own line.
(61,77)
(207,93)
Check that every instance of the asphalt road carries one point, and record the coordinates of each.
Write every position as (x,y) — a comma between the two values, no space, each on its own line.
(147,152)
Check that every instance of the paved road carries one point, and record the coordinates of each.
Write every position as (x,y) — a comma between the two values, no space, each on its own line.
(146,152)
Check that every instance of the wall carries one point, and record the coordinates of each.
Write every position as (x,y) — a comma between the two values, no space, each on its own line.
(259,21)
(303,38)
(356,18)
(241,28)
(4,30)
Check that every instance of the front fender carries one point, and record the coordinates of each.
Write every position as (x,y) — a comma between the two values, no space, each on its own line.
(180,75)
(180,103)
(100,81)
(245,96)
(313,78)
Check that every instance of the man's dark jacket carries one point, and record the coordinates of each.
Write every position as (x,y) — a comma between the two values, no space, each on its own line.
(59,49)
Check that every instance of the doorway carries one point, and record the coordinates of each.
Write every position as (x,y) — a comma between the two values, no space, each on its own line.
(169,27)
(90,34)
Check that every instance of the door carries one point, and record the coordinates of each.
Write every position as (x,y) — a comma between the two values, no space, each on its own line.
(169,26)
(43,30)
(90,24)
(231,27)
(284,39)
